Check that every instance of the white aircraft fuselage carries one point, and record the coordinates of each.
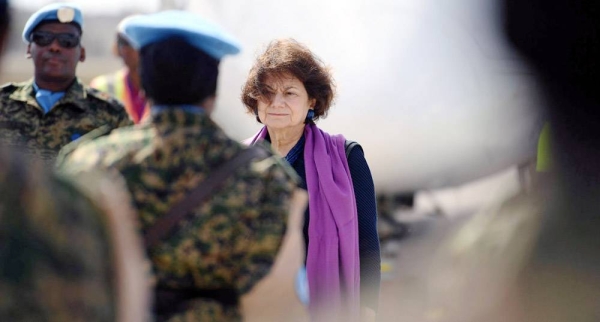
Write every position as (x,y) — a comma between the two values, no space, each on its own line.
(428,88)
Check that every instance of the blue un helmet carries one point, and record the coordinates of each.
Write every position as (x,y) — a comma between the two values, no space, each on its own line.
(148,29)
(56,12)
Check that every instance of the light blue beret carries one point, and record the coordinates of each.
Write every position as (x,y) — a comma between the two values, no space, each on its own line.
(61,12)
(121,27)
(147,29)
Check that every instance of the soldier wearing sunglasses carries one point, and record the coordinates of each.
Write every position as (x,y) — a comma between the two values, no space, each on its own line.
(54,108)
(66,254)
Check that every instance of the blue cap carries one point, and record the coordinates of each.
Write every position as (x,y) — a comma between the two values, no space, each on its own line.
(61,12)
(121,27)
(197,31)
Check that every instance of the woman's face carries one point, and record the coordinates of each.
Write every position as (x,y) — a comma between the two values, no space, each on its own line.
(289,103)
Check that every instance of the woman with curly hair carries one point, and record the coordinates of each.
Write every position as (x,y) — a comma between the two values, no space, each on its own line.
(288,89)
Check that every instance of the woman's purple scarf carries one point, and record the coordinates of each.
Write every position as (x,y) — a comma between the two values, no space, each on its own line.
(332,261)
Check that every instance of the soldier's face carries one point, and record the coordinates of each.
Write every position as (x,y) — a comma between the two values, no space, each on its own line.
(128,54)
(55,61)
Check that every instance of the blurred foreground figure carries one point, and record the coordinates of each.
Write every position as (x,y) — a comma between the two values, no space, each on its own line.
(561,41)
(65,257)
(537,257)
(205,255)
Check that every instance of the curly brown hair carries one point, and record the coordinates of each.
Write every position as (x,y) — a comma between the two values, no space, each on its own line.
(289,57)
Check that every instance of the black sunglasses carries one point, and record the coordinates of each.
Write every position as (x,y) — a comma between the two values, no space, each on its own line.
(65,40)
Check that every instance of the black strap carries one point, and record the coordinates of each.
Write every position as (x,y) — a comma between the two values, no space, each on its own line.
(164,225)
(349,146)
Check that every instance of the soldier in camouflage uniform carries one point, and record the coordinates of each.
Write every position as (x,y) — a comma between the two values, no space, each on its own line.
(54,108)
(62,257)
(38,256)
(228,243)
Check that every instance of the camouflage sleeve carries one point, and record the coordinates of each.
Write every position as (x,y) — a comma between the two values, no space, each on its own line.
(55,259)
(132,269)
(260,238)
(70,148)
(88,152)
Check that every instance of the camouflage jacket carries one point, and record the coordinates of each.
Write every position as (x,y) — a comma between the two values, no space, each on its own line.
(230,242)
(23,123)
(55,258)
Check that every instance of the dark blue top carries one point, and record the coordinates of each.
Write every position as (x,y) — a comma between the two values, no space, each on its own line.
(368,238)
